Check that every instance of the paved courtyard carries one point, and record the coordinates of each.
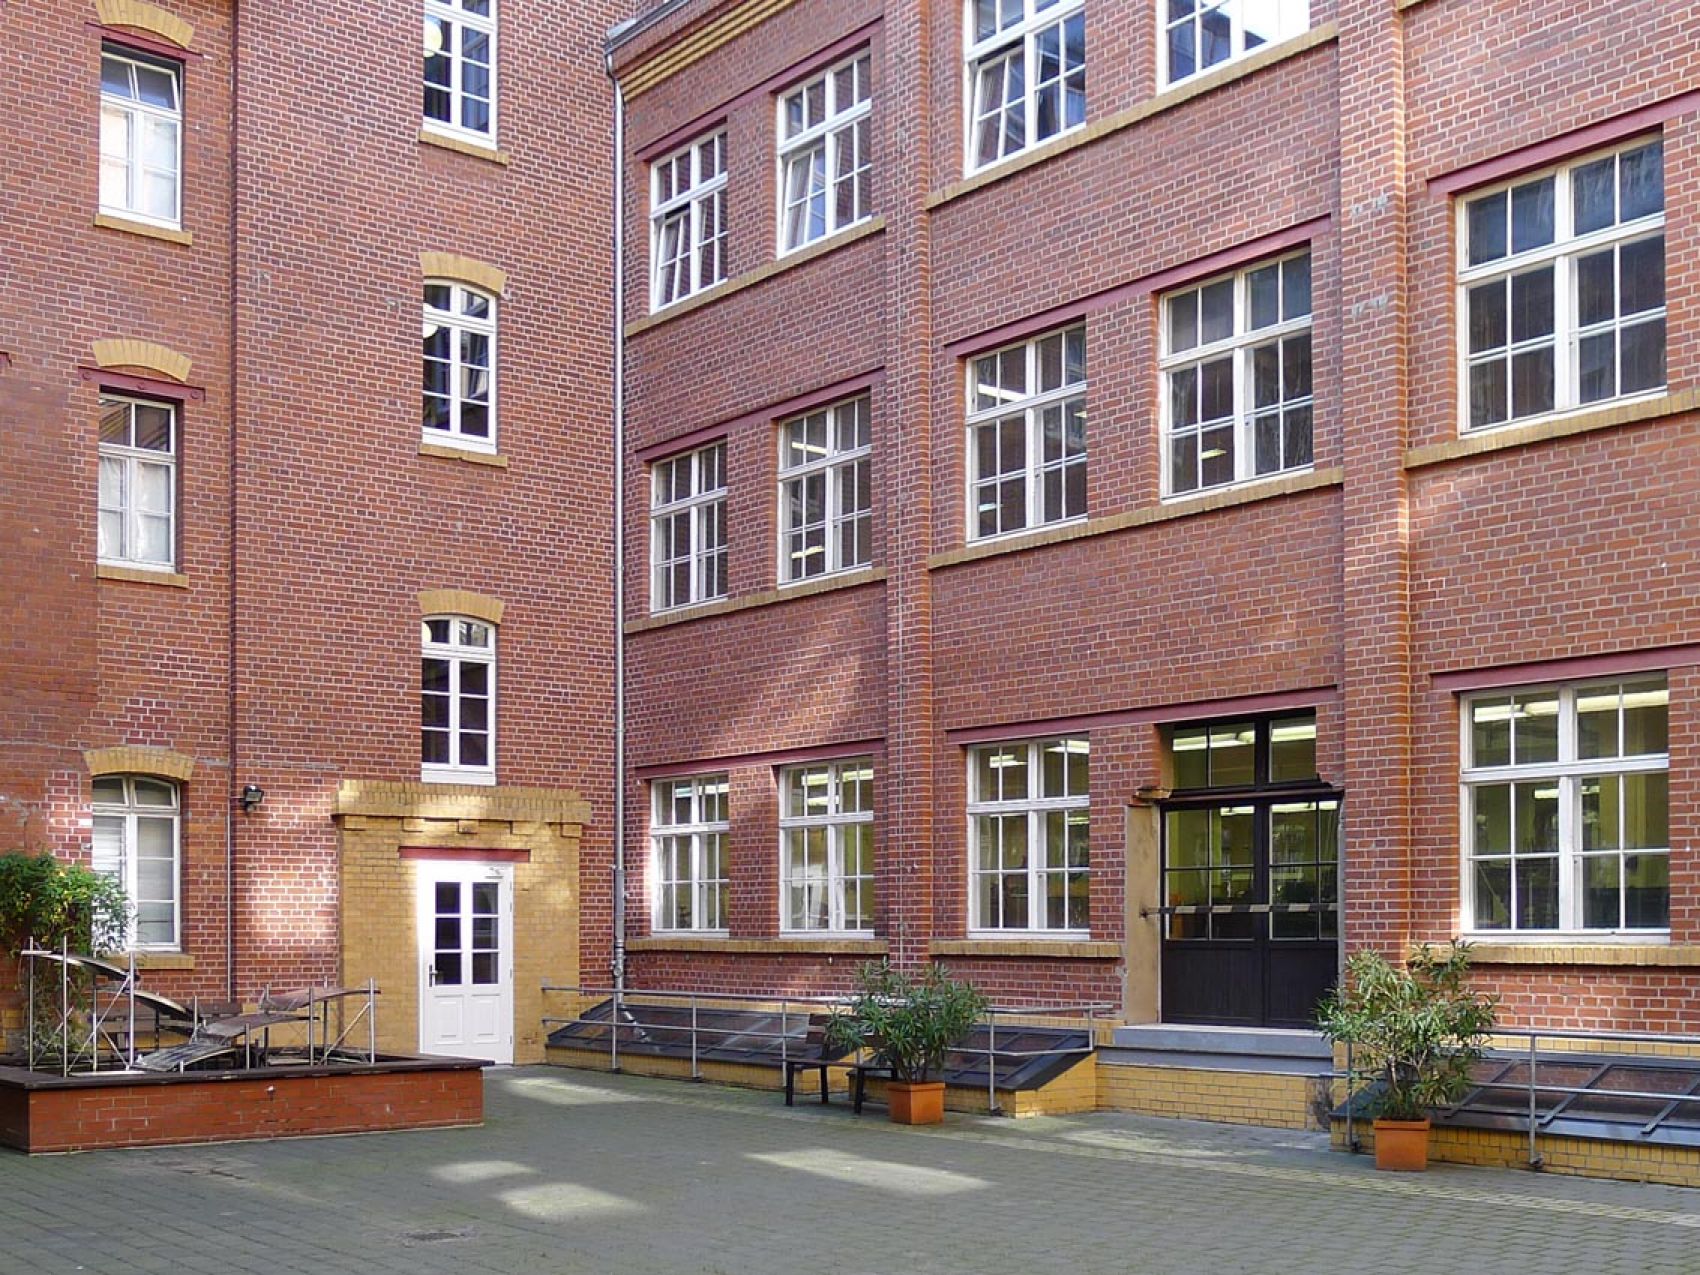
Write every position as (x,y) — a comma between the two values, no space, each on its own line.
(575,1172)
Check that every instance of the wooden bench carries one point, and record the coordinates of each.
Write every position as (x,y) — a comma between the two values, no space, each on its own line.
(813,1055)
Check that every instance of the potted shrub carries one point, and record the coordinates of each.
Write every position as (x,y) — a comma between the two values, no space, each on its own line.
(909,1024)
(1416,1030)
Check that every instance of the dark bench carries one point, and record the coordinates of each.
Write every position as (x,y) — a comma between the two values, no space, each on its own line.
(814,1054)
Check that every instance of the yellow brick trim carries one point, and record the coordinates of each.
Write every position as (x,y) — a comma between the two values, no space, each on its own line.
(777,946)
(150,355)
(451,265)
(1250,494)
(1076,950)
(461,602)
(1498,440)
(462,147)
(489,459)
(1622,954)
(142,575)
(1167,100)
(669,60)
(779,265)
(832,584)
(137,759)
(401,799)
(106,221)
(145,17)
(164,961)
(1402,5)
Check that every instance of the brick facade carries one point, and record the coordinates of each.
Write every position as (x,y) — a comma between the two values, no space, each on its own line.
(1400,555)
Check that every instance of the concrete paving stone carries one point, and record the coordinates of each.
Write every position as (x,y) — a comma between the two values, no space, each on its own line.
(576,1172)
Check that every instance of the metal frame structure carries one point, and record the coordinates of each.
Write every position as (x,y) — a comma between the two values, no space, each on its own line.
(787,1008)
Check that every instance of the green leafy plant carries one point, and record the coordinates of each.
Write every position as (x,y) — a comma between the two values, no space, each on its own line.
(50,902)
(909,1023)
(1416,1029)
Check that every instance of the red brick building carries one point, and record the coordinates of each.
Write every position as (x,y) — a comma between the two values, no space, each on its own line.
(1117,500)
(248,554)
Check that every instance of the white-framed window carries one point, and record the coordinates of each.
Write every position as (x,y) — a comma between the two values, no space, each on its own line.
(458,403)
(687,219)
(457,700)
(138,483)
(1561,280)
(825,491)
(141,137)
(825,154)
(687,521)
(1566,807)
(826,836)
(1236,363)
(689,822)
(1027,435)
(460,68)
(1026,75)
(1028,835)
(138,841)
(1200,34)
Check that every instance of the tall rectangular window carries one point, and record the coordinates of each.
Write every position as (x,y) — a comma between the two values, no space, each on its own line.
(457,701)
(1028,835)
(689,823)
(1026,75)
(688,528)
(1236,362)
(1567,807)
(1562,282)
(687,201)
(825,153)
(138,483)
(1027,435)
(460,68)
(826,830)
(459,397)
(1200,34)
(137,841)
(141,137)
(825,492)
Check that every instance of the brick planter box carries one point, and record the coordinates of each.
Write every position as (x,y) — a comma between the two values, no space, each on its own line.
(48,1113)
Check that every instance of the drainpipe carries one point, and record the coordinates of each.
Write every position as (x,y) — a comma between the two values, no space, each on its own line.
(231,778)
(619,962)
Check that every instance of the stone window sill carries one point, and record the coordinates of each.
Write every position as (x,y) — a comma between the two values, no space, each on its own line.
(1566,951)
(1056,949)
(825,944)
(771,597)
(142,575)
(1506,437)
(110,221)
(470,457)
(443,141)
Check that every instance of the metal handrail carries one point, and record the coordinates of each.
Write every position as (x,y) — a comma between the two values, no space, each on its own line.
(695,1000)
(1532,1086)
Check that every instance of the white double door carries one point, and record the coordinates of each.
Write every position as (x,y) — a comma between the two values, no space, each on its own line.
(466,959)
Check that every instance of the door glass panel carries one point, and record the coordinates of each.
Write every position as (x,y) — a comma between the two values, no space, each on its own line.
(447,959)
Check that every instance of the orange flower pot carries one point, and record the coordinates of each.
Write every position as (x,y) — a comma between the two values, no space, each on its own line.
(916,1103)
(1401,1146)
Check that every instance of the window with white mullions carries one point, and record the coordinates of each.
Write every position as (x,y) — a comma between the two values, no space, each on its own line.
(1027,435)
(138,483)
(141,137)
(460,67)
(459,399)
(137,842)
(457,700)
(1566,793)
(688,528)
(688,828)
(688,220)
(1026,74)
(1200,34)
(1238,402)
(825,492)
(1029,827)
(825,154)
(826,829)
(1562,278)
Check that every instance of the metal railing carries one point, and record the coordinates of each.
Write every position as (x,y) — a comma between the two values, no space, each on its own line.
(786,1005)
(1531,1086)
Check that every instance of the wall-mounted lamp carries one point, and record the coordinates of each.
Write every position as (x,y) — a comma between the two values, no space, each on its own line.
(252,796)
